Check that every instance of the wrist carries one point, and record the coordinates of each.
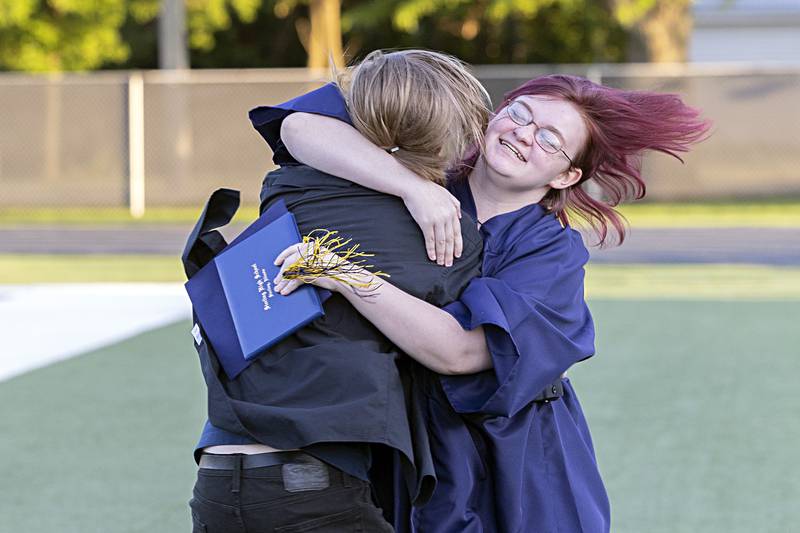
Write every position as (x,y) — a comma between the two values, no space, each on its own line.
(359,284)
(411,186)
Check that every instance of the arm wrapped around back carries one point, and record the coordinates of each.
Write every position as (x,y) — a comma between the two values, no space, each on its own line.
(530,302)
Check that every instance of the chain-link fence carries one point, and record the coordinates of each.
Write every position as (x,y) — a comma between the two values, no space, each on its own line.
(68,140)
(62,140)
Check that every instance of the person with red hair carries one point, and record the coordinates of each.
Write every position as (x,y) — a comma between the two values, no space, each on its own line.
(510,444)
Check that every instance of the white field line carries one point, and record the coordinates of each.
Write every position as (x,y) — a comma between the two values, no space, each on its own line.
(44,323)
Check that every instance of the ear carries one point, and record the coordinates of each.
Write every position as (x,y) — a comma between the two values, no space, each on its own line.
(567,178)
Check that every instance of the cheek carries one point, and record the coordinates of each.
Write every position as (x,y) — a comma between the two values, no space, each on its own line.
(539,171)
(498,157)
(499,125)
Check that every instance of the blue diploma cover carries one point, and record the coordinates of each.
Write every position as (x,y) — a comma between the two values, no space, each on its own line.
(233,298)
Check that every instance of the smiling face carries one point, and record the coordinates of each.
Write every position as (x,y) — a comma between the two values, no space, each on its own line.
(515,163)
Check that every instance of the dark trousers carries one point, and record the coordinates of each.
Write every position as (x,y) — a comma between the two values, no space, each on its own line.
(284,498)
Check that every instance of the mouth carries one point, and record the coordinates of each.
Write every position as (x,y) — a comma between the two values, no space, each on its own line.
(513,151)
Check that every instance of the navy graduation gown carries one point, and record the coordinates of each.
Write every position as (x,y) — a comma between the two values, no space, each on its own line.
(505,463)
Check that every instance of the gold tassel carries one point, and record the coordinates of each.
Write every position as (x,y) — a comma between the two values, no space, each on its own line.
(314,263)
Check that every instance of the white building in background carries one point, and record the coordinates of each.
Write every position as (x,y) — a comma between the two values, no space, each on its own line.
(745,30)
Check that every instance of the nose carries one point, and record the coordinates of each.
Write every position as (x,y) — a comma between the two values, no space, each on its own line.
(525,134)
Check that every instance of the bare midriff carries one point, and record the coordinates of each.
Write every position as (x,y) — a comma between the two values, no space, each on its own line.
(247,449)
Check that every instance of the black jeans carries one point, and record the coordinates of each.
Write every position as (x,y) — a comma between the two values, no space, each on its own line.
(283,499)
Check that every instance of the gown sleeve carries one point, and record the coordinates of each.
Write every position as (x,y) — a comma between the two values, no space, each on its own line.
(531,305)
(327,101)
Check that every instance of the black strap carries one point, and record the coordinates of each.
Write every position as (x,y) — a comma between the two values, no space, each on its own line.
(554,391)
(205,242)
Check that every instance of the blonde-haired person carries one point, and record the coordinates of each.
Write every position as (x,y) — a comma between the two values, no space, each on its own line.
(423,107)
(292,440)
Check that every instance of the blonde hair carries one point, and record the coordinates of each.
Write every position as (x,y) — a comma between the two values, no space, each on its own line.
(425,103)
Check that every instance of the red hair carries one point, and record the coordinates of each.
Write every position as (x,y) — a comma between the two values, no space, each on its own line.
(621,126)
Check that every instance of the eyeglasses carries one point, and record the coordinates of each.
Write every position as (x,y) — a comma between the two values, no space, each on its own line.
(547,139)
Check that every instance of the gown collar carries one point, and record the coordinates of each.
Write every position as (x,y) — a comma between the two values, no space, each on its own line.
(530,213)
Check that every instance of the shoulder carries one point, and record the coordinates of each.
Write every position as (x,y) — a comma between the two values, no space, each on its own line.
(545,260)
(547,239)
(326,100)
(300,176)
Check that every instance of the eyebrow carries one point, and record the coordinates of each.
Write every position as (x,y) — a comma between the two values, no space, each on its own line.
(546,126)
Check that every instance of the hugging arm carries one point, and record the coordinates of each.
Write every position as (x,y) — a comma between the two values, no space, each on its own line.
(337,148)
(423,331)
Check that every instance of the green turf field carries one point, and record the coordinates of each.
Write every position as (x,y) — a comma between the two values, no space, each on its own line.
(716,281)
(693,406)
(102,443)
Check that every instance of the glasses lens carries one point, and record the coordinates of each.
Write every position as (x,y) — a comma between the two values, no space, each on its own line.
(519,114)
(548,140)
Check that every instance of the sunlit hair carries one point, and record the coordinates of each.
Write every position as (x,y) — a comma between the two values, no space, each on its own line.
(621,126)
(425,103)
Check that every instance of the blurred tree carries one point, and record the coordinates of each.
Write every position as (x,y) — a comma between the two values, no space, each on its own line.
(267,36)
(277,34)
(481,32)
(205,20)
(89,34)
(324,42)
(52,35)
(660,28)
(320,33)
(491,31)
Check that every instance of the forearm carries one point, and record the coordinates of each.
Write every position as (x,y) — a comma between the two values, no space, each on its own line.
(337,148)
(425,332)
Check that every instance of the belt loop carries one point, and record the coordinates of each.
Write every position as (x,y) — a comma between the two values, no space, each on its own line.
(237,474)
(347,482)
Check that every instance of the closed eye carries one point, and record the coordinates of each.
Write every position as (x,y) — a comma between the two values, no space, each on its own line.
(549,139)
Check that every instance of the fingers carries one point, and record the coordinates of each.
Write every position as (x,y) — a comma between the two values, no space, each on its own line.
(454,244)
(457,205)
(286,286)
(458,241)
(440,232)
(430,241)
(449,244)
(437,212)
(295,248)
(286,258)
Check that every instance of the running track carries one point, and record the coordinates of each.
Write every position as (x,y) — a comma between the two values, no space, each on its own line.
(764,246)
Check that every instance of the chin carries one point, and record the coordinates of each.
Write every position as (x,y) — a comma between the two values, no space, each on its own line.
(504,173)
(503,165)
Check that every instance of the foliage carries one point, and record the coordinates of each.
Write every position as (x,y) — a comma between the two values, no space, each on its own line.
(490,31)
(44,35)
(40,35)
(54,35)
(630,12)
(205,17)
(262,35)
